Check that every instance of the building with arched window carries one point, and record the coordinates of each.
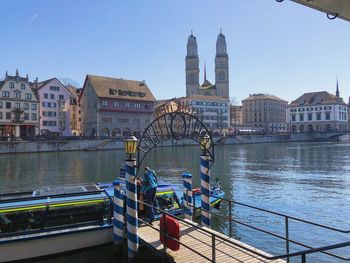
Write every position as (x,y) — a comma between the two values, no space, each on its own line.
(319,112)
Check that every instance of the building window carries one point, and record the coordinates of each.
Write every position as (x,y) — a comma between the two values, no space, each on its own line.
(309,117)
(23,86)
(8,105)
(26,116)
(104,103)
(34,117)
(17,95)
(28,96)
(5,94)
(17,105)
(61,97)
(318,116)
(12,85)
(26,106)
(301,117)
(8,115)
(52,96)
(328,116)
(0,115)
(33,106)
(0,104)
(46,96)
(108,120)
(123,121)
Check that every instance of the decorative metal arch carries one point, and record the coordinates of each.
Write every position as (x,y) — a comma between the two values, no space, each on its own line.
(178,124)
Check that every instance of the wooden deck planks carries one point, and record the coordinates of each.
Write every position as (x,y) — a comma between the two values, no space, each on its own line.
(201,242)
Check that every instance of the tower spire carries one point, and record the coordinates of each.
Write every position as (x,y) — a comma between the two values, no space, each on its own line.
(337,91)
(205,71)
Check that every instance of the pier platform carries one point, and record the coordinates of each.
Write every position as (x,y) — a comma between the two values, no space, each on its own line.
(197,245)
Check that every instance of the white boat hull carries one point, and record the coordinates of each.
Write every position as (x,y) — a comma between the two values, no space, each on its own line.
(54,242)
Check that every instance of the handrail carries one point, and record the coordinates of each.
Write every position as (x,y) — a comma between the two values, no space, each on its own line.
(205,230)
(287,217)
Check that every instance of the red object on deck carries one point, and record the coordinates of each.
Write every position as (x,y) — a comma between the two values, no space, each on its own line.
(170,226)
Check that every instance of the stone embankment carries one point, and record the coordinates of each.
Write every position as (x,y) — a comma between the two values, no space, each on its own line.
(112,144)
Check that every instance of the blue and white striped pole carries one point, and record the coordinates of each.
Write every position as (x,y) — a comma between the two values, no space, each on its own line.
(205,190)
(131,208)
(187,195)
(118,214)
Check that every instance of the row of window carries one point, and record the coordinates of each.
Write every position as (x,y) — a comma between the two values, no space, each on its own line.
(310,116)
(49,113)
(8,116)
(49,123)
(116,104)
(218,111)
(121,120)
(54,88)
(17,95)
(208,103)
(12,85)
(52,96)
(49,104)
(8,105)
(342,108)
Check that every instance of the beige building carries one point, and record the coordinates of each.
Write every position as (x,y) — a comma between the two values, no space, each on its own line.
(115,107)
(318,111)
(19,108)
(236,113)
(75,117)
(265,111)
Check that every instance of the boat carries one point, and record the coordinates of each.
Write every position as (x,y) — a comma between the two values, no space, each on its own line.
(57,219)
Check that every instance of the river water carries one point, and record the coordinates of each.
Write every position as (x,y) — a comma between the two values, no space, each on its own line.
(307,180)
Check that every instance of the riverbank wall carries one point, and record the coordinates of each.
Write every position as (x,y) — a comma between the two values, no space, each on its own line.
(113,144)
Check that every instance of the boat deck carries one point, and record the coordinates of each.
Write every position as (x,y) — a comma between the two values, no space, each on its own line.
(201,242)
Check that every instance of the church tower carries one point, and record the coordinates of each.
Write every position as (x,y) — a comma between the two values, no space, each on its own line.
(221,67)
(192,66)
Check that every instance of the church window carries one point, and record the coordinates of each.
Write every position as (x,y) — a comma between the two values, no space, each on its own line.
(222,76)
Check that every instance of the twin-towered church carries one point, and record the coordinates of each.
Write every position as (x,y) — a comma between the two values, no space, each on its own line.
(221,86)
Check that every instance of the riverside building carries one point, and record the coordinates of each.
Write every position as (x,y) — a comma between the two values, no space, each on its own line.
(115,107)
(213,111)
(54,107)
(19,108)
(318,111)
(236,113)
(265,112)
(75,117)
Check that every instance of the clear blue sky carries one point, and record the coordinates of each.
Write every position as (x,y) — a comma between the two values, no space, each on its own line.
(279,48)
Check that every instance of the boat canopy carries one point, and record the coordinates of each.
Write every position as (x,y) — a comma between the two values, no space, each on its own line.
(335,8)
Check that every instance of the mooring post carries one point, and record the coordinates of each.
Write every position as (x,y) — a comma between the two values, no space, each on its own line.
(205,190)
(118,214)
(131,197)
(187,194)
(131,208)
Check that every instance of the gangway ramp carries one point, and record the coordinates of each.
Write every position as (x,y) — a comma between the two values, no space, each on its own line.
(198,245)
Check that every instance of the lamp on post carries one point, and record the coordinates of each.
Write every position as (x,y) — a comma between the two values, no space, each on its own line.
(131,196)
(130,145)
(205,181)
(205,144)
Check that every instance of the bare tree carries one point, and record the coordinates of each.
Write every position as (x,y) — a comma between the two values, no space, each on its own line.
(69,81)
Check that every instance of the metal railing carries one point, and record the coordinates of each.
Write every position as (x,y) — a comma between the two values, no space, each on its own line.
(215,237)
(287,219)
